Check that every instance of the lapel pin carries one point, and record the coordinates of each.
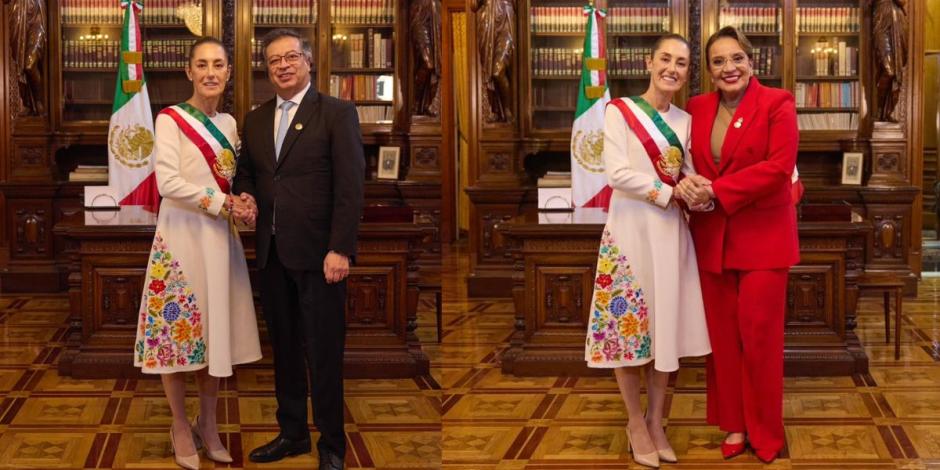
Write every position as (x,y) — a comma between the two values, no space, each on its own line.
(737,124)
(300,126)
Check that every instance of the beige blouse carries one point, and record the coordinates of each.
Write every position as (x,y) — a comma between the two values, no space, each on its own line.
(720,128)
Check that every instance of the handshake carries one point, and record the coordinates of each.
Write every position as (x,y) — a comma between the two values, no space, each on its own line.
(695,190)
(242,208)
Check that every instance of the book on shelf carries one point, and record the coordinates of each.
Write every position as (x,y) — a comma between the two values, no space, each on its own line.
(556,62)
(645,19)
(566,19)
(361,87)
(827,121)
(827,19)
(764,59)
(362,50)
(375,114)
(555,179)
(296,12)
(826,95)
(362,11)
(627,62)
(751,19)
(108,12)
(89,173)
(841,60)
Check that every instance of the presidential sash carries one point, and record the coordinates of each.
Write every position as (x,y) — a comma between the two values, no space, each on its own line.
(663,147)
(215,147)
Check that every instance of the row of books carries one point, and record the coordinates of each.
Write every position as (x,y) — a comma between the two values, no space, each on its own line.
(751,19)
(362,50)
(619,19)
(104,54)
(827,20)
(377,114)
(764,59)
(110,12)
(826,95)
(827,121)
(361,87)
(299,12)
(362,11)
(844,62)
(556,62)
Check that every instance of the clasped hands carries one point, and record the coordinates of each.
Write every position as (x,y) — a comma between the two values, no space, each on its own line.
(695,190)
(243,207)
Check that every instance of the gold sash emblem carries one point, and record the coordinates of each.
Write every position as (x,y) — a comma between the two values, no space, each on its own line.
(670,162)
(131,145)
(225,164)
(588,147)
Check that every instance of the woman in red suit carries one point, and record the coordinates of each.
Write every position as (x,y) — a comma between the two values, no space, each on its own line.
(744,145)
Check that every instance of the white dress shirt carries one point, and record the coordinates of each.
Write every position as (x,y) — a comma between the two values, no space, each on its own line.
(296,99)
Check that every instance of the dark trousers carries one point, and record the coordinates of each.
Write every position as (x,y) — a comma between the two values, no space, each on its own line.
(307,327)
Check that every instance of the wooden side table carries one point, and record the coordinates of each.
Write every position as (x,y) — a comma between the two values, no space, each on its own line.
(887,284)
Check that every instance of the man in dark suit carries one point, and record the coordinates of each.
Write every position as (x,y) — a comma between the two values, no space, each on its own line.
(302,162)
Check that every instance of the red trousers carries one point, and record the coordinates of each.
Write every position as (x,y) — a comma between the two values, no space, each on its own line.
(745,315)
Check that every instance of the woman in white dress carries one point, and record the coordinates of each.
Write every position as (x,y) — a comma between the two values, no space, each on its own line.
(647,304)
(197,312)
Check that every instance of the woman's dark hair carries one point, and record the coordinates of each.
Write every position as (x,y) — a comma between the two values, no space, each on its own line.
(279,33)
(208,40)
(666,37)
(728,32)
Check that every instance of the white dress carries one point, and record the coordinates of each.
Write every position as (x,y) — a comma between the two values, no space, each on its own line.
(197,308)
(647,302)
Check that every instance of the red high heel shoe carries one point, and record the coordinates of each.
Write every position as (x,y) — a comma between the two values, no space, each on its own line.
(766,456)
(729,451)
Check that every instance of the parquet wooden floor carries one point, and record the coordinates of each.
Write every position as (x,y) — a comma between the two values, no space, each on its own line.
(51,422)
(468,415)
(889,419)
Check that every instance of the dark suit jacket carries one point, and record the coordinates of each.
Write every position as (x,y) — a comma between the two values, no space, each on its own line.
(317,181)
(753,226)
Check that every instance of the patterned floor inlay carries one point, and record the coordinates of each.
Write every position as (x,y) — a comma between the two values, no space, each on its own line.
(48,421)
(887,419)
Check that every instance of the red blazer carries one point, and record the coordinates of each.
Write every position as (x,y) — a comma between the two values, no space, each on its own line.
(753,225)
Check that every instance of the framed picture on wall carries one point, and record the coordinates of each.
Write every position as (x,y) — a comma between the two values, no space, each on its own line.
(852,168)
(388,162)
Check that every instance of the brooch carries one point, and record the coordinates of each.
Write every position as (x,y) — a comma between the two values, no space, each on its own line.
(737,124)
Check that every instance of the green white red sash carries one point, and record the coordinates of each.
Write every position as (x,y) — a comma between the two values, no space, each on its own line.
(215,147)
(663,147)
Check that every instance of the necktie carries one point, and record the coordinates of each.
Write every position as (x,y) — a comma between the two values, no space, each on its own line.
(282,127)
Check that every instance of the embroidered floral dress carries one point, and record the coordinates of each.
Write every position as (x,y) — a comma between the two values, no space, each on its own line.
(197,309)
(647,302)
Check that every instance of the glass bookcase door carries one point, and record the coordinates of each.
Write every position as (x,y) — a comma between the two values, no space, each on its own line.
(91,43)
(362,57)
(762,22)
(632,29)
(267,15)
(827,86)
(556,45)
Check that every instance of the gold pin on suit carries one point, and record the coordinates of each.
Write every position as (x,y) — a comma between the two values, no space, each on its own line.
(298,126)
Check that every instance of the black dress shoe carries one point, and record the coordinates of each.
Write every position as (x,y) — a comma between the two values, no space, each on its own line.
(330,461)
(278,449)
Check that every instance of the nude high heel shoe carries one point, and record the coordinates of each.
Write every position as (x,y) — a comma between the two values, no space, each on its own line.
(189,462)
(650,460)
(221,456)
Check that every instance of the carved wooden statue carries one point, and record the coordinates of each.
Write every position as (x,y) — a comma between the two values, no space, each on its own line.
(496,40)
(425,24)
(27,46)
(889,19)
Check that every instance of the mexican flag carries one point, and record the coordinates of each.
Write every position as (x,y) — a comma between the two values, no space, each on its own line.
(130,132)
(588,180)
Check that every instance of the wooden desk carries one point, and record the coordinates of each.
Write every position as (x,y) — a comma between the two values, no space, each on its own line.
(555,255)
(108,257)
